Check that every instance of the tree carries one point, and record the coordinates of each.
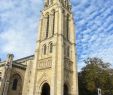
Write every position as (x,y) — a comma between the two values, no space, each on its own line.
(96,74)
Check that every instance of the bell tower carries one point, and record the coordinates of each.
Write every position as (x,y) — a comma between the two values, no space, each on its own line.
(54,71)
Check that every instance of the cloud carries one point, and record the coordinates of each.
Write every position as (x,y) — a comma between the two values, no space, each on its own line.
(94,28)
(17,43)
(18,27)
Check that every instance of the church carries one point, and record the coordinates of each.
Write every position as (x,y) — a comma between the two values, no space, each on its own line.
(52,70)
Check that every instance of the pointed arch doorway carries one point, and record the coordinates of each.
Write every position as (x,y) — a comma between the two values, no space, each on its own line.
(66,90)
(45,89)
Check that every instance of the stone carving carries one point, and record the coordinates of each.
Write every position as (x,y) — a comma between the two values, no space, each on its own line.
(45,63)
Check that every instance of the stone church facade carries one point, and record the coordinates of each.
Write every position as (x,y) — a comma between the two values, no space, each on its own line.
(52,69)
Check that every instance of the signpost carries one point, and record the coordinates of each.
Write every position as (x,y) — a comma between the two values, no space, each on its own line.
(99,91)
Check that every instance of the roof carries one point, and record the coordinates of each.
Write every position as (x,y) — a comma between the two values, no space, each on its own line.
(18,63)
(21,60)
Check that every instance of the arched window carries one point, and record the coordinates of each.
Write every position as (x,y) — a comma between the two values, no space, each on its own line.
(53,23)
(15,85)
(47,3)
(67,27)
(15,82)
(68,51)
(0,78)
(65,2)
(51,48)
(47,29)
(64,24)
(51,1)
(64,49)
(44,48)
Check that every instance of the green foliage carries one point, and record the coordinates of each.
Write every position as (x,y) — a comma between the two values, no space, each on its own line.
(96,74)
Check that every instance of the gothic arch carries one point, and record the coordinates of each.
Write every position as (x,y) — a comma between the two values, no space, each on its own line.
(47,25)
(47,14)
(68,51)
(48,2)
(15,86)
(67,88)
(20,74)
(53,11)
(53,27)
(44,79)
(45,90)
(44,49)
(50,47)
(67,26)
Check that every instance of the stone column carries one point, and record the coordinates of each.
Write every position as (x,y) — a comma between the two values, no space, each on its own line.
(74,88)
(53,78)
(34,68)
(7,74)
(54,58)
(60,56)
(41,28)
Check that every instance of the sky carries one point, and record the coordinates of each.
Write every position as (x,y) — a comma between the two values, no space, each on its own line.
(93,21)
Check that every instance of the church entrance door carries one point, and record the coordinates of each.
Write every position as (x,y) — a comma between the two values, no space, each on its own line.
(65,89)
(45,89)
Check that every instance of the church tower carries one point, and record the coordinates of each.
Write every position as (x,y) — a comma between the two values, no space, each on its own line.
(54,70)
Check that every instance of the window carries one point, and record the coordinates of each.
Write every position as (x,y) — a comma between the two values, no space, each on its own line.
(51,47)
(65,2)
(68,50)
(67,27)
(44,49)
(47,29)
(64,23)
(15,82)
(47,2)
(64,49)
(0,78)
(53,22)
(51,1)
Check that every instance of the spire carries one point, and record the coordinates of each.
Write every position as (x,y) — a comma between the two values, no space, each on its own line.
(9,60)
(48,3)
(64,3)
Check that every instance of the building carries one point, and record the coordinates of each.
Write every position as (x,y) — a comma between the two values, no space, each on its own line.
(52,69)
(13,73)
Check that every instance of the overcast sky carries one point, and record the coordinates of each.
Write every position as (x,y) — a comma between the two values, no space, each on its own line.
(93,20)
